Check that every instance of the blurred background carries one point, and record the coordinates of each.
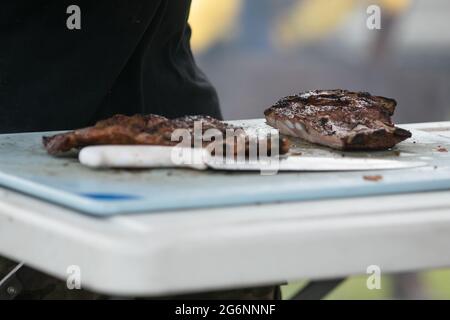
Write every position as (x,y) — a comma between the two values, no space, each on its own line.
(257,51)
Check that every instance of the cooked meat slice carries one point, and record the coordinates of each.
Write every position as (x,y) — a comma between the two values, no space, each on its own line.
(339,119)
(118,129)
(151,130)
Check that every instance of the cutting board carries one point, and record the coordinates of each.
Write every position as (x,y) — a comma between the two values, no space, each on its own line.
(25,166)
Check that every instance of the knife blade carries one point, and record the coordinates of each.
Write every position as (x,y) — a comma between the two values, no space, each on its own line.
(311,164)
(200,159)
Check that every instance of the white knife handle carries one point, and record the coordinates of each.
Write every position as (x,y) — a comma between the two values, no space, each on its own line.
(117,156)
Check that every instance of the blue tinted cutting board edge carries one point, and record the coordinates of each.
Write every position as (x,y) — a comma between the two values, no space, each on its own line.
(100,208)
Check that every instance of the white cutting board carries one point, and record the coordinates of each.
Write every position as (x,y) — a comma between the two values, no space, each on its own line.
(25,166)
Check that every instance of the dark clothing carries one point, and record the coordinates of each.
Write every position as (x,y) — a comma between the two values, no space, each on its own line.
(129,57)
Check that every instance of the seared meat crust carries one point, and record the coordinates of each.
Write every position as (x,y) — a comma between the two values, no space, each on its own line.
(146,130)
(339,119)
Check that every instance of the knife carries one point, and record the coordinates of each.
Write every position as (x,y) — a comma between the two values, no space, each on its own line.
(120,156)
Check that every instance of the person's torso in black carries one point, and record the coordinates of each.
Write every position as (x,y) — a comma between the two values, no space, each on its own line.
(129,57)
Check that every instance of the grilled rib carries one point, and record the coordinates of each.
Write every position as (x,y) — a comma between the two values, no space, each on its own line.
(339,119)
(152,130)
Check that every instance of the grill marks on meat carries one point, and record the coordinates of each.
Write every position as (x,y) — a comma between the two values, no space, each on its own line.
(150,130)
(339,119)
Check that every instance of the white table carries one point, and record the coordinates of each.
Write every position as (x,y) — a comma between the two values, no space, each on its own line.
(190,251)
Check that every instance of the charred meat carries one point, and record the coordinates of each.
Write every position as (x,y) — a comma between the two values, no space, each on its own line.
(339,119)
(154,130)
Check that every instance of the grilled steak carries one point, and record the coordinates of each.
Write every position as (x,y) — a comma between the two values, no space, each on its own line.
(338,119)
(153,130)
